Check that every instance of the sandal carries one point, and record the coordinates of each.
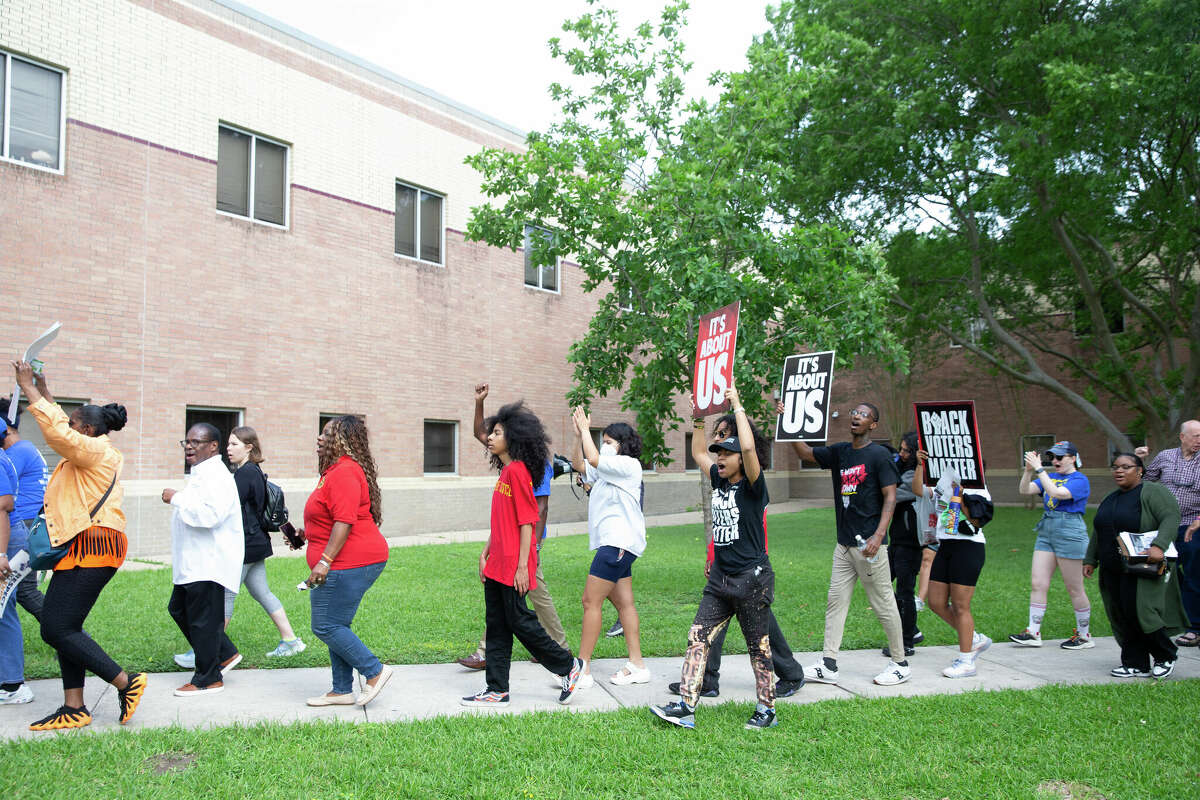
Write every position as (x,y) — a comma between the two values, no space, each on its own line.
(1189,639)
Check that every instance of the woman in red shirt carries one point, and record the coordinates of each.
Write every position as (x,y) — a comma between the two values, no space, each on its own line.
(346,553)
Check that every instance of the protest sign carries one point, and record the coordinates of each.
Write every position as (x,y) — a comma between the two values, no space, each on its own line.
(31,353)
(949,432)
(805,392)
(715,343)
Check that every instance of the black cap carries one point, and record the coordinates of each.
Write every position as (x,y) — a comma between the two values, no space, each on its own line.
(731,444)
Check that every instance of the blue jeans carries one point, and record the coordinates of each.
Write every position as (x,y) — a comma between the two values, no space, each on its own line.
(333,607)
(1189,581)
(12,647)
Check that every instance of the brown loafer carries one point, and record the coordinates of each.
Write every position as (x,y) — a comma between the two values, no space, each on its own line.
(473,661)
(192,690)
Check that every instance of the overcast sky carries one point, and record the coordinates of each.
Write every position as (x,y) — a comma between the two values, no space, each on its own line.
(492,56)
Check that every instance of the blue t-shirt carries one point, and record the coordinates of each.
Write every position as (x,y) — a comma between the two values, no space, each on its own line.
(9,484)
(1076,483)
(543,490)
(32,475)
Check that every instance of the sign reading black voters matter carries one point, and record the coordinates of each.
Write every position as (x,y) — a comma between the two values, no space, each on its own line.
(805,394)
(949,434)
(715,342)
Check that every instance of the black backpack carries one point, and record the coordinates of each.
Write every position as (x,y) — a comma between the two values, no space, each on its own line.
(274,511)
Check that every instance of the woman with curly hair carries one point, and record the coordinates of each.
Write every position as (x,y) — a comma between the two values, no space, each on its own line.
(617,535)
(346,553)
(519,448)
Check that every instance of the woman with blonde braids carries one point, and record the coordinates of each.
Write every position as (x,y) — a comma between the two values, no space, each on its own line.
(346,553)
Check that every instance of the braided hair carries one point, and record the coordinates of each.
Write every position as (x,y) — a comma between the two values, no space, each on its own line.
(347,436)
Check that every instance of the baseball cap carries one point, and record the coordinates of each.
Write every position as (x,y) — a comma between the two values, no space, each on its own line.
(1063,448)
(731,444)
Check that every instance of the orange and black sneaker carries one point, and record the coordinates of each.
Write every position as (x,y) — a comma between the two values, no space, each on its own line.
(66,717)
(129,697)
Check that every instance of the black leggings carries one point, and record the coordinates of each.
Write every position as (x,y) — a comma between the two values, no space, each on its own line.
(69,599)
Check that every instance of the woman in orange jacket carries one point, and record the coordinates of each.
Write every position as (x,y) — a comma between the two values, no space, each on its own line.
(75,512)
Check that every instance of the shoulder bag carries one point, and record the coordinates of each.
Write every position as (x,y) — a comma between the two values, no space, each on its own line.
(42,554)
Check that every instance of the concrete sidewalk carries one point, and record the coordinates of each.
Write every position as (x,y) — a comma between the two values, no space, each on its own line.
(431,690)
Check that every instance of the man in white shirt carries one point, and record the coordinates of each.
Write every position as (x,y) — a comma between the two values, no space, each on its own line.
(207,548)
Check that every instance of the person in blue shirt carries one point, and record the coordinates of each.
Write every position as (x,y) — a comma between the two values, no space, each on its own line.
(32,474)
(12,541)
(1062,540)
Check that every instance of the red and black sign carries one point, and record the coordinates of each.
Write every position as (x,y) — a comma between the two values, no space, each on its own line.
(713,374)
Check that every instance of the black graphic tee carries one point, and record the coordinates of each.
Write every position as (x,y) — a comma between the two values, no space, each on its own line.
(858,480)
(739,541)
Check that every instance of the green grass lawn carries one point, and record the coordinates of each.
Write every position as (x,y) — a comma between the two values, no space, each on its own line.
(1124,741)
(427,607)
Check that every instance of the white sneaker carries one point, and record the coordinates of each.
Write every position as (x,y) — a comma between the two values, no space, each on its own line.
(586,681)
(961,668)
(819,673)
(893,674)
(19,695)
(979,643)
(186,660)
(630,674)
(285,649)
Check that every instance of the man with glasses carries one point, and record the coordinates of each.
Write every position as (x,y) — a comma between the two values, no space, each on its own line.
(1179,470)
(864,488)
(207,548)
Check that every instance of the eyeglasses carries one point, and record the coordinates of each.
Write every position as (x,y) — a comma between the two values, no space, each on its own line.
(194,442)
(854,412)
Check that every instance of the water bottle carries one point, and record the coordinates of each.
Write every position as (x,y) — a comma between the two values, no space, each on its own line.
(862,545)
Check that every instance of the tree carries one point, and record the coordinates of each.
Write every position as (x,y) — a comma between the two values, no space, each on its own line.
(652,198)
(1028,162)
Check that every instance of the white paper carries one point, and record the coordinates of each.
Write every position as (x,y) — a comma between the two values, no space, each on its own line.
(20,568)
(31,353)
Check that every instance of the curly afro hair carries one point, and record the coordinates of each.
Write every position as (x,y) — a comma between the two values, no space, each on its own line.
(527,439)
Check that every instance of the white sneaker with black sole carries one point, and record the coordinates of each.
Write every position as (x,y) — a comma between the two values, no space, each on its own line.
(1128,672)
(819,673)
(1026,639)
(1162,669)
(1077,642)
(893,674)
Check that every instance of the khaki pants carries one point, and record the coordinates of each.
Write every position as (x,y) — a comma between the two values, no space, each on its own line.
(849,565)
(547,614)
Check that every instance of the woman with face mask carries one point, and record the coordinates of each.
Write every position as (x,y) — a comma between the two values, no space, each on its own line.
(617,535)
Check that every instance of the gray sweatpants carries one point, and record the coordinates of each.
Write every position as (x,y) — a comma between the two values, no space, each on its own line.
(254,576)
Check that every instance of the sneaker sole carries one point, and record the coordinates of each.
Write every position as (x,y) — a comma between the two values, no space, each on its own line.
(812,679)
(61,726)
(1087,646)
(892,681)
(676,722)
(1031,643)
(237,659)
(750,727)
(480,704)
(1128,675)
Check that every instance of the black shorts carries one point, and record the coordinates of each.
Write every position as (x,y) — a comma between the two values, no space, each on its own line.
(958,561)
(612,564)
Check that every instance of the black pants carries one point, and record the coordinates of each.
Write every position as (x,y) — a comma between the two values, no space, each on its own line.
(1138,649)
(906,569)
(69,599)
(748,596)
(786,666)
(199,610)
(508,616)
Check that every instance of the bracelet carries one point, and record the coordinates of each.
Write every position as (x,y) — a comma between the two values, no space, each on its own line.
(325,557)
(739,411)
(698,424)
(1039,470)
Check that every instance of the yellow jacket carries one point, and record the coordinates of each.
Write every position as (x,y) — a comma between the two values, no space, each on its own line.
(80,479)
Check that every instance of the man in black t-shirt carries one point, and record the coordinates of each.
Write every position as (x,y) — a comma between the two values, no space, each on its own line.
(864,488)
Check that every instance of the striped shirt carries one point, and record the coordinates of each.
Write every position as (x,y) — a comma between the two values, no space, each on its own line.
(1180,475)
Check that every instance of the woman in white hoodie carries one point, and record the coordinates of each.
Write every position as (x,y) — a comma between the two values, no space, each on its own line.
(617,535)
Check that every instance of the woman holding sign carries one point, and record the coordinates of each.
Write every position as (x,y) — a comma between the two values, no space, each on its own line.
(1062,541)
(1144,610)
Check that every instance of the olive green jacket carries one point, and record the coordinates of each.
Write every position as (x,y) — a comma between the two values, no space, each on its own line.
(1159,604)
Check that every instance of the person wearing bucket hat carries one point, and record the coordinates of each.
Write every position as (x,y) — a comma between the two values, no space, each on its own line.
(1062,540)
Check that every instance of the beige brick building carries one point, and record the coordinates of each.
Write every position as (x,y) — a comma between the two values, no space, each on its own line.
(238,223)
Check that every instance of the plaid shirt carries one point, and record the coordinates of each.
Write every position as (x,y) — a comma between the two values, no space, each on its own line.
(1180,475)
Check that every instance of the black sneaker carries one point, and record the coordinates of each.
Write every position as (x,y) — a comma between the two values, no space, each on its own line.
(680,714)
(615,630)
(918,637)
(786,688)
(129,697)
(570,681)
(763,718)
(705,691)
(909,650)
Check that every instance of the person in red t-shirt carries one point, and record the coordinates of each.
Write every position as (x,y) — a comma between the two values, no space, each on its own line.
(519,448)
(346,553)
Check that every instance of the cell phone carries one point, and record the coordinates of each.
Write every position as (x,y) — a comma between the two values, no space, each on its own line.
(294,539)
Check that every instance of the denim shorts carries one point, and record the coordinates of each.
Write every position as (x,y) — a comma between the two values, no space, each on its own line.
(1062,533)
(612,564)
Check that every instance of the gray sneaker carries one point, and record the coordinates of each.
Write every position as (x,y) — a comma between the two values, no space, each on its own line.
(285,649)
(186,660)
(679,713)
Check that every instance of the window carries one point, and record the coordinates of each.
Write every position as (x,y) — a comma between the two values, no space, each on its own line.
(225,420)
(1113,306)
(689,463)
(31,431)
(441,447)
(251,176)
(419,226)
(31,113)
(1038,443)
(974,331)
(541,267)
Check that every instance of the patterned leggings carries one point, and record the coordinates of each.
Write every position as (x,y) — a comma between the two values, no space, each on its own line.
(747,596)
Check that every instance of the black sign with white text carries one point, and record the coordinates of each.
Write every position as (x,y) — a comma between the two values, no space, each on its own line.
(805,393)
(949,433)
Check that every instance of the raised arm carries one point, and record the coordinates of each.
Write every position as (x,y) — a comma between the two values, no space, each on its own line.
(1033,467)
(481,393)
(750,466)
(918,481)
(700,445)
(583,427)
